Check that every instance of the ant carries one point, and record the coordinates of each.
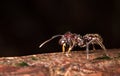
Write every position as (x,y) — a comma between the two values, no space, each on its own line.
(71,40)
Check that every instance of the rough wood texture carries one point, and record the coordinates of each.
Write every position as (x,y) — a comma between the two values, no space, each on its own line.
(58,64)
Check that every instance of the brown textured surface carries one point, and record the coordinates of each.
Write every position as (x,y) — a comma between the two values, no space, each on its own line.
(58,64)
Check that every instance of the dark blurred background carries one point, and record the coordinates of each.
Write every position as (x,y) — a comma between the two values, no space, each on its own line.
(25,24)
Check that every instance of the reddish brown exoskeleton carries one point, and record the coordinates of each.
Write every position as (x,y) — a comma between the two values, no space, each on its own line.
(71,40)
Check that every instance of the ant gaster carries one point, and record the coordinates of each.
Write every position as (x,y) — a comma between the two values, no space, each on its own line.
(71,40)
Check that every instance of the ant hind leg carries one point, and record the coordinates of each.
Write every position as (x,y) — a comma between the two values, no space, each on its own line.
(103,47)
(87,50)
(93,47)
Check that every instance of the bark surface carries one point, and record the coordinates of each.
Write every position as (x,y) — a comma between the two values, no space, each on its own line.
(59,64)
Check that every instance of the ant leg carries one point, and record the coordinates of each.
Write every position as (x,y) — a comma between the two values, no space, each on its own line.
(102,46)
(63,48)
(87,50)
(70,48)
(93,47)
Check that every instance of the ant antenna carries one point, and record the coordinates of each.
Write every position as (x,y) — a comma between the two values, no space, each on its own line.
(49,40)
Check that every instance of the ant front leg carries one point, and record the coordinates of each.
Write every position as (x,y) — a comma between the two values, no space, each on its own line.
(69,50)
(71,47)
(63,48)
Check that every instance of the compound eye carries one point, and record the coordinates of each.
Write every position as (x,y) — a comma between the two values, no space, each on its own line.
(62,41)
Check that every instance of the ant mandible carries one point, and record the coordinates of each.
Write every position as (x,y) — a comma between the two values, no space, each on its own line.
(72,39)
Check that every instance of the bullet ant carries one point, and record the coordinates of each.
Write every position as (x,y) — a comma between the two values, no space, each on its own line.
(71,40)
